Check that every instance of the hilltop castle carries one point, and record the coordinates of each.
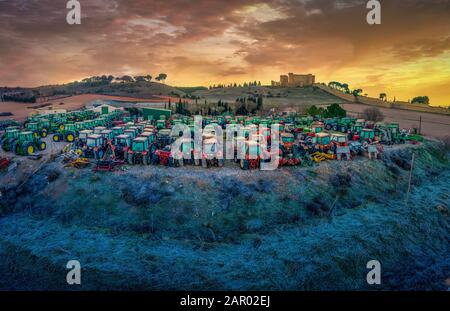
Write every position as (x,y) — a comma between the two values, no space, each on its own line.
(294,80)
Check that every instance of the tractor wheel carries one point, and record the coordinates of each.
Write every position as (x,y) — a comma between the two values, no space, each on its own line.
(196,162)
(44,133)
(220,162)
(130,159)
(28,149)
(100,154)
(155,159)
(42,145)
(56,138)
(181,162)
(61,127)
(70,137)
(145,160)
(244,164)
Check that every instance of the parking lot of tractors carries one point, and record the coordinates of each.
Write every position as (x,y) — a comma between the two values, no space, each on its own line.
(113,139)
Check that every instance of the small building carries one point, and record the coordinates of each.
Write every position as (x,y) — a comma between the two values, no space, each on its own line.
(105,109)
(155,113)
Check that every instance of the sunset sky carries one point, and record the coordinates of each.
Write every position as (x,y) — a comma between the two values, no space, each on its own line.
(204,42)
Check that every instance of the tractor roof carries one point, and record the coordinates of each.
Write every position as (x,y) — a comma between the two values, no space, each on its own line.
(210,141)
(252,143)
(95,136)
(338,135)
(123,136)
(106,131)
(322,135)
(26,133)
(86,132)
(140,139)
(289,135)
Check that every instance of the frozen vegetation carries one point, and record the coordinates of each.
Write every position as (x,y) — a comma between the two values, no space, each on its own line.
(191,228)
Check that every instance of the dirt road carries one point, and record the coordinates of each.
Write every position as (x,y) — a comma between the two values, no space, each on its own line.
(433,125)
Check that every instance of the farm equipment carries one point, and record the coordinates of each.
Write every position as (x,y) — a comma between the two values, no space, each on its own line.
(321,156)
(8,139)
(94,147)
(4,163)
(211,155)
(69,133)
(184,154)
(37,129)
(339,146)
(26,144)
(139,152)
(367,135)
(121,145)
(322,142)
(252,155)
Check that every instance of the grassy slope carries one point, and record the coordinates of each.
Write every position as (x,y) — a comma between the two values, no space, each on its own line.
(281,97)
(136,89)
(227,229)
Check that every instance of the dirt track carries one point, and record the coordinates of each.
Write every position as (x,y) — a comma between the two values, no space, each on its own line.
(433,125)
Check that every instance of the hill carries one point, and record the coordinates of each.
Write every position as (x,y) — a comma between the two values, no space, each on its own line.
(132,89)
(283,98)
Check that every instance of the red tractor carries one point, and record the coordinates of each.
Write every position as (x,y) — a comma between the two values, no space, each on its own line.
(287,156)
(122,143)
(253,155)
(211,155)
(340,147)
(139,152)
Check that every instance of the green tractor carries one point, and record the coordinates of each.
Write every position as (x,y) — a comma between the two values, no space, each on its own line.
(8,139)
(27,144)
(69,133)
(37,129)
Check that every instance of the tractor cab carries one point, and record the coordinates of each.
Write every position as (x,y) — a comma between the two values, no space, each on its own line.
(122,140)
(95,141)
(287,141)
(117,130)
(367,135)
(99,129)
(84,135)
(131,133)
(139,152)
(108,135)
(164,138)
(149,135)
(184,153)
(33,127)
(322,142)
(317,128)
(339,139)
(161,124)
(140,144)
